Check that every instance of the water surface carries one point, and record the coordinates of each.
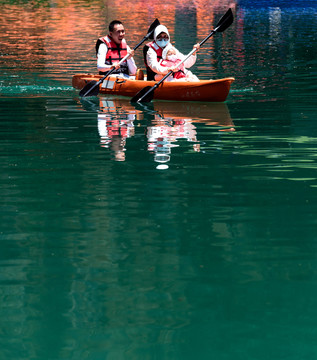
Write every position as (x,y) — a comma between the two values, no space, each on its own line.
(165,231)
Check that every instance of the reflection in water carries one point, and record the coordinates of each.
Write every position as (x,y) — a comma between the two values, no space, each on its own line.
(114,127)
(214,259)
(163,133)
(275,15)
(166,124)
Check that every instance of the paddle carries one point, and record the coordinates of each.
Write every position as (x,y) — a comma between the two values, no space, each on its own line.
(92,88)
(147,93)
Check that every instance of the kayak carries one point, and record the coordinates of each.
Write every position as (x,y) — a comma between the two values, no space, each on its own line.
(202,90)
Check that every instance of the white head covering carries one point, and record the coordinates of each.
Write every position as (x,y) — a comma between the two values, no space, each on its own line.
(159,29)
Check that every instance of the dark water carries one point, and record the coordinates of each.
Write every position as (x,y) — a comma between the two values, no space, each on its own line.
(170,231)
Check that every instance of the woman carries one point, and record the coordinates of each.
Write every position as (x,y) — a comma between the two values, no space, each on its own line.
(153,53)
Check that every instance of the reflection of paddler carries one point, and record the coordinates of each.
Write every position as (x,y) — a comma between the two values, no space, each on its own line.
(163,133)
(183,129)
(172,130)
(118,106)
(110,128)
(114,127)
(112,121)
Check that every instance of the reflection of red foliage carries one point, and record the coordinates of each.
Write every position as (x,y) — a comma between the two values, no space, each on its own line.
(70,29)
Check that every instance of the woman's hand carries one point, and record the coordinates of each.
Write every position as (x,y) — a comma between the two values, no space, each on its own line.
(197,47)
(173,68)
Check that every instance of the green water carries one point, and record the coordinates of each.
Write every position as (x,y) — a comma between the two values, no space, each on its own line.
(107,254)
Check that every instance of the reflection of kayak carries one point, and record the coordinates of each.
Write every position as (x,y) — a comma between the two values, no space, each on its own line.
(216,114)
(210,114)
(203,90)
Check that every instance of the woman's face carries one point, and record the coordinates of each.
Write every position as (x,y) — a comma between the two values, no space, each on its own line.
(162,36)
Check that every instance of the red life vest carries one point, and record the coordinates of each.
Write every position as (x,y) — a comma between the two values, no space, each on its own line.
(179,74)
(150,73)
(117,128)
(156,48)
(115,53)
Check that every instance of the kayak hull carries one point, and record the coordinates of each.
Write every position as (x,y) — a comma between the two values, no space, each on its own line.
(203,90)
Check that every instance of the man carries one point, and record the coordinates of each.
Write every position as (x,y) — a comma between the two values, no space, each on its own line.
(111,49)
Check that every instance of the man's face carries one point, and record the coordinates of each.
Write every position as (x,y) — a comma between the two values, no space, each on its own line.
(118,33)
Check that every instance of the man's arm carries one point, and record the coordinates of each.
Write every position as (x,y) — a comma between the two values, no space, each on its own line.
(101,58)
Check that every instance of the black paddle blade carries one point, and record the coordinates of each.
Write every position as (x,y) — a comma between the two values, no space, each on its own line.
(225,21)
(150,32)
(142,95)
(91,89)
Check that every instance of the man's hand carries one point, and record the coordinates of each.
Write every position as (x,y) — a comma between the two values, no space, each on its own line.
(131,53)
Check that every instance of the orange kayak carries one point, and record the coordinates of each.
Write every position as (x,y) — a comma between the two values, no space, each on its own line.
(203,90)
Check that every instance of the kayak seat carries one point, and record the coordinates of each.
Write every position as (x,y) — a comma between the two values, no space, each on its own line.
(139,75)
(150,74)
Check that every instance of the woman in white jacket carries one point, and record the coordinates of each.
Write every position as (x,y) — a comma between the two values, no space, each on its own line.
(153,53)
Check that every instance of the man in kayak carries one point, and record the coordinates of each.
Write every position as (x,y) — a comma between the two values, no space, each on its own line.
(111,49)
(153,53)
